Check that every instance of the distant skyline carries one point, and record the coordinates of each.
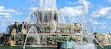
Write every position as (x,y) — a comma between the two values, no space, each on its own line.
(18,10)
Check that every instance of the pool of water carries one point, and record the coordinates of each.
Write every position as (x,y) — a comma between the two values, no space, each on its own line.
(105,47)
(20,47)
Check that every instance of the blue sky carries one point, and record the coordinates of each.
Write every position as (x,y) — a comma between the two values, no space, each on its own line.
(18,10)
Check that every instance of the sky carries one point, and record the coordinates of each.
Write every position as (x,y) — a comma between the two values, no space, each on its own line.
(99,11)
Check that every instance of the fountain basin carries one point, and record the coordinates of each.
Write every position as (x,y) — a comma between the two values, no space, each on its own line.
(74,45)
(64,44)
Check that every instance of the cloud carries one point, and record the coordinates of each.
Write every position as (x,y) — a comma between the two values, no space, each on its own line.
(72,3)
(31,8)
(69,13)
(109,1)
(8,12)
(6,15)
(104,12)
(2,7)
(84,2)
(79,2)
(72,11)
(95,23)
(5,23)
(77,10)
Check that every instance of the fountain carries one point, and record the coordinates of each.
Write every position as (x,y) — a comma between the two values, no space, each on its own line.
(32,33)
(48,14)
(76,45)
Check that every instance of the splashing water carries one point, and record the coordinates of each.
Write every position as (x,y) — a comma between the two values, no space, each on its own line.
(48,5)
(76,45)
(32,33)
(48,13)
(85,18)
